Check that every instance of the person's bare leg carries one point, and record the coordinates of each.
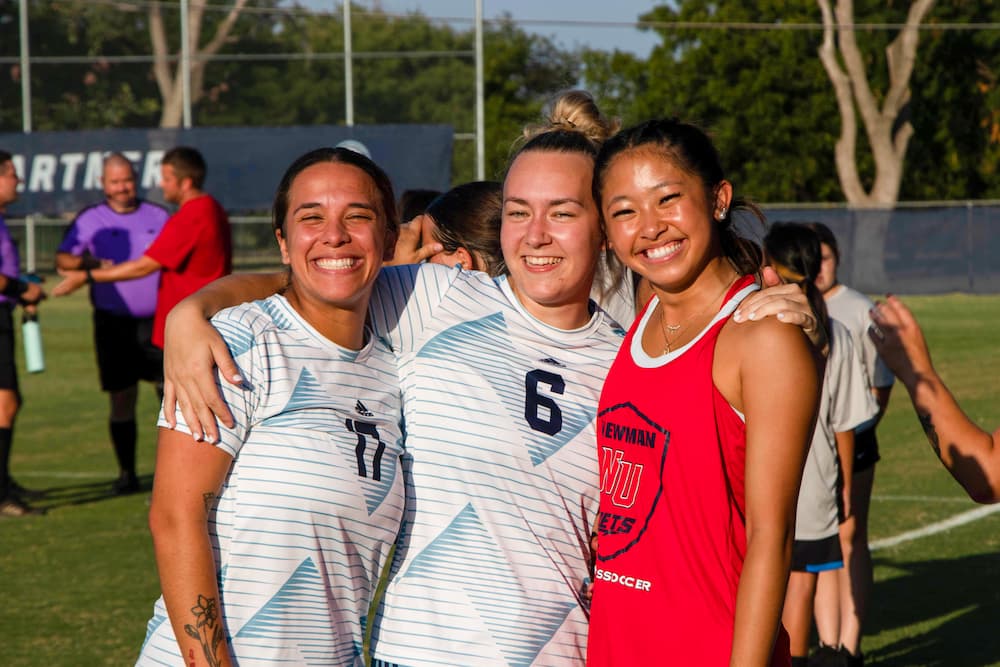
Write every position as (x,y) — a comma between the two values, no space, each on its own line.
(826,608)
(796,615)
(856,577)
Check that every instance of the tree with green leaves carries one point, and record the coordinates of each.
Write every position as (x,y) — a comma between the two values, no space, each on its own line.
(758,83)
(884,116)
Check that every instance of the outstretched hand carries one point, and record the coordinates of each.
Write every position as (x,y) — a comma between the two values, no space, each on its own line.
(785,302)
(408,245)
(899,340)
(71,282)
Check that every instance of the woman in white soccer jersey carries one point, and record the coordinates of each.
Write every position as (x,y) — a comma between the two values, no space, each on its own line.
(500,380)
(270,543)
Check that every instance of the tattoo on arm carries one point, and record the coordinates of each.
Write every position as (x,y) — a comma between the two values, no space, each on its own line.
(208,499)
(207,629)
(925,422)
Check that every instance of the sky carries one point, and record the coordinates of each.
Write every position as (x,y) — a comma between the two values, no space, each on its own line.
(598,37)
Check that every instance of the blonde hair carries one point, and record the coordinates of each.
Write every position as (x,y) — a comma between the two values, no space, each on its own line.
(574,124)
(572,111)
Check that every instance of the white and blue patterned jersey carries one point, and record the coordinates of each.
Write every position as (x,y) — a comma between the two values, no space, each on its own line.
(313,500)
(501,468)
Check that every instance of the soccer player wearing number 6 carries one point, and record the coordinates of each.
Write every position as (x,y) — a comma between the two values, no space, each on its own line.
(270,543)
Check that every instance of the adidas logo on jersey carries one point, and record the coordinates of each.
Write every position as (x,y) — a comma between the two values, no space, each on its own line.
(551,362)
(362,410)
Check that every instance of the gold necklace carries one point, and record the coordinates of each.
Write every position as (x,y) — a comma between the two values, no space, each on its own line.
(674,330)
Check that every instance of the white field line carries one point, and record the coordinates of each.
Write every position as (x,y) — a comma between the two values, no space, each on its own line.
(69,474)
(937,527)
(923,499)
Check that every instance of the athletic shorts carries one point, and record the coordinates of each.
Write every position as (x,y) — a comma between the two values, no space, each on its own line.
(865,450)
(125,351)
(817,555)
(8,368)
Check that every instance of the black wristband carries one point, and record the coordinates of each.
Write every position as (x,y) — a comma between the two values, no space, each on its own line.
(14,288)
(90,276)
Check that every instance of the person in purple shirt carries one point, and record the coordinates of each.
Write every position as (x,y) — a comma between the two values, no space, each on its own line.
(117,230)
(13,291)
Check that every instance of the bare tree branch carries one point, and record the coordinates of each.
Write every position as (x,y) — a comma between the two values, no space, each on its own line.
(157,35)
(170,81)
(901,55)
(844,152)
(887,129)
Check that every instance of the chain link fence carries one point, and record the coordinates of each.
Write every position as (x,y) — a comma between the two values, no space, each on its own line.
(910,249)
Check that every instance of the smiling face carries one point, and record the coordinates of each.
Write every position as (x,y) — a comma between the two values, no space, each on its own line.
(118,181)
(550,235)
(660,219)
(334,239)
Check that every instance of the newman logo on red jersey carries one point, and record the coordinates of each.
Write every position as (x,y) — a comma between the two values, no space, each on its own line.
(632,453)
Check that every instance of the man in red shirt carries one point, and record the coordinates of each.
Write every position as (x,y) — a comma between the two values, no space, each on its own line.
(193,248)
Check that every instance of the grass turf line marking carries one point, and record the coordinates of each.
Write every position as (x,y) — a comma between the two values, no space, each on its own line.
(68,474)
(924,499)
(937,527)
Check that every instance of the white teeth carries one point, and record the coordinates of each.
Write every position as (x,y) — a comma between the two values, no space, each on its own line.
(541,261)
(664,250)
(334,264)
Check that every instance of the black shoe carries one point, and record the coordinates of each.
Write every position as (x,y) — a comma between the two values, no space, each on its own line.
(23,493)
(126,483)
(851,660)
(827,656)
(14,506)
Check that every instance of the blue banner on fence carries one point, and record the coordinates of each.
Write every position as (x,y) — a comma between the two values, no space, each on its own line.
(62,170)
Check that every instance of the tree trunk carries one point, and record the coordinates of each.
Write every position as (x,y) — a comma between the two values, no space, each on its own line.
(169,79)
(887,128)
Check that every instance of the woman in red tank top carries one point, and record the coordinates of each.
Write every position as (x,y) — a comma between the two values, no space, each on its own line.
(703,426)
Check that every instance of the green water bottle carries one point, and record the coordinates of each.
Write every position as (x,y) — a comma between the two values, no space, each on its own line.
(31,334)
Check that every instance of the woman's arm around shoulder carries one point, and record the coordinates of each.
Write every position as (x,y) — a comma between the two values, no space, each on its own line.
(193,349)
(776,382)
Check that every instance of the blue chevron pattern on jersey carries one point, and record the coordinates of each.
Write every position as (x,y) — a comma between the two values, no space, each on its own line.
(294,597)
(239,340)
(484,343)
(278,314)
(374,490)
(153,624)
(500,454)
(307,393)
(300,603)
(299,532)
(492,586)
(484,338)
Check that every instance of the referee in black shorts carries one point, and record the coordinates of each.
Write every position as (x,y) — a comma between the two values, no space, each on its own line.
(117,230)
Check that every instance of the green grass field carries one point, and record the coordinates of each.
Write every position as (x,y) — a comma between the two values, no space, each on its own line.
(77,586)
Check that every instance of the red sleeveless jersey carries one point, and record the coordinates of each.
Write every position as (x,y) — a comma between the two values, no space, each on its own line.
(671,533)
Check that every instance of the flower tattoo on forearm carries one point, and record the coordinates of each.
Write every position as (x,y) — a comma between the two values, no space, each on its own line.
(207,629)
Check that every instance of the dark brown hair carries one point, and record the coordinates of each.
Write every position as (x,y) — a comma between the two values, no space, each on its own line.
(187,162)
(468,216)
(691,150)
(279,209)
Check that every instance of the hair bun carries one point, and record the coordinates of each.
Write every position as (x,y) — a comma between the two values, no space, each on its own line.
(575,111)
